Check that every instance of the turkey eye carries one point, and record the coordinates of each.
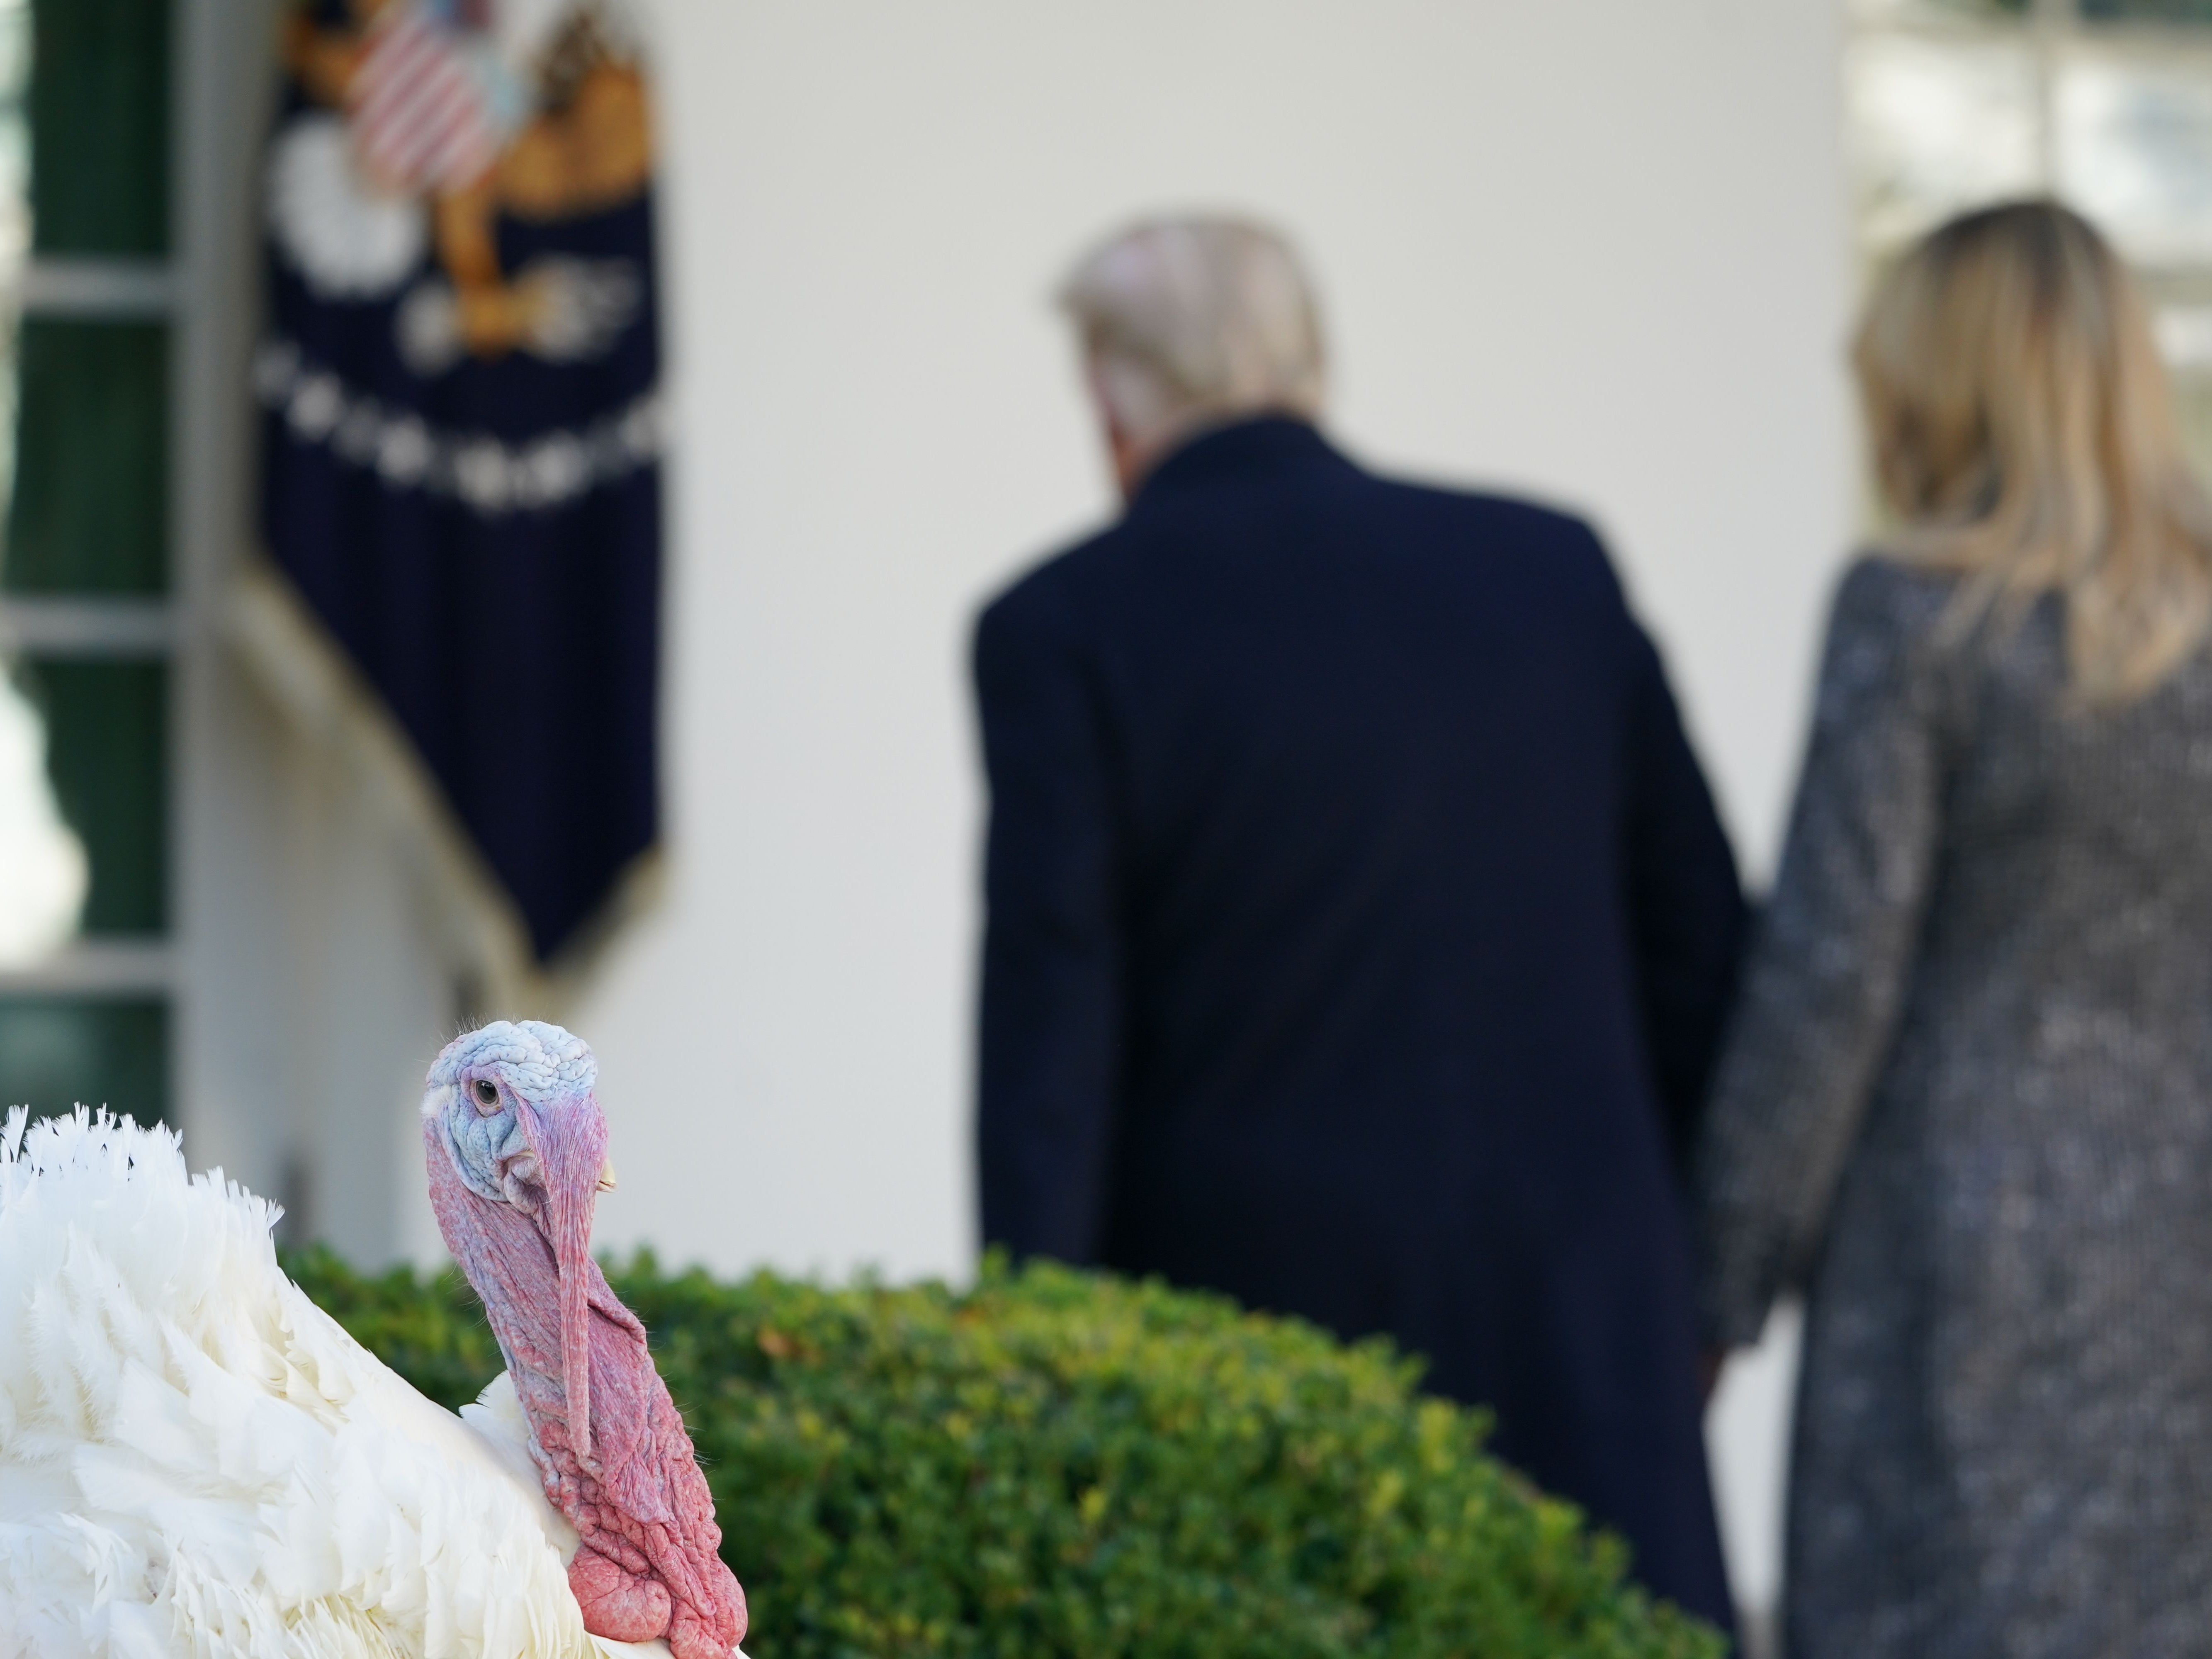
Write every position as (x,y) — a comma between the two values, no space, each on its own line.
(487,1094)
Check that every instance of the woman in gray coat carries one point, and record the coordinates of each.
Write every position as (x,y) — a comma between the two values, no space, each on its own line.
(1966,1099)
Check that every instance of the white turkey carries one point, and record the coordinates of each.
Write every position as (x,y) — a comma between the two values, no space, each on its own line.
(196,1460)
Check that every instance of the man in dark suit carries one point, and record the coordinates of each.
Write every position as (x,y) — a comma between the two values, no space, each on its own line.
(1360,928)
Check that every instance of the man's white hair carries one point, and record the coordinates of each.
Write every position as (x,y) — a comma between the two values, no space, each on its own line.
(1190,321)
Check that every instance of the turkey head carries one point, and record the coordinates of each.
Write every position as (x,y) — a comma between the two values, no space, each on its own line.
(516,1149)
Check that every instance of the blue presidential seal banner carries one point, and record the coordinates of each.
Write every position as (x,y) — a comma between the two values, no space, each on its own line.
(461,472)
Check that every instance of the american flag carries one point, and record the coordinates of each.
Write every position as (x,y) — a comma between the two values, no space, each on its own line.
(420,113)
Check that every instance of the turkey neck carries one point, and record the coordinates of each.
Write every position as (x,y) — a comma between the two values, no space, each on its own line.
(508,1261)
(641,1511)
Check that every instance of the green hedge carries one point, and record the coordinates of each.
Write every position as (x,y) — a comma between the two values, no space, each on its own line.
(1058,1464)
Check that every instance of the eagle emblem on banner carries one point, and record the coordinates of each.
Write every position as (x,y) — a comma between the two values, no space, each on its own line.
(459,381)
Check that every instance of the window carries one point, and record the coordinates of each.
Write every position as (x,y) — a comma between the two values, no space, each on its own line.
(2106,104)
(85,571)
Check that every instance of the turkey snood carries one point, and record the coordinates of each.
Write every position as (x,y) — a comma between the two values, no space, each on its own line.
(514,1171)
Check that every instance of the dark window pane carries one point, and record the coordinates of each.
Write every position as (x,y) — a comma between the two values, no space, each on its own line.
(1929,11)
(100,126)
(106,750)
(2193,402)
(91,500)
(56,1052)
(2150,11)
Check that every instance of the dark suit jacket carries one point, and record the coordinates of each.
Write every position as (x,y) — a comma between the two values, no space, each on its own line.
(1360,930)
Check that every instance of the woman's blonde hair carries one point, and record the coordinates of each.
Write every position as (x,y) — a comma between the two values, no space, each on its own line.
(2023,434)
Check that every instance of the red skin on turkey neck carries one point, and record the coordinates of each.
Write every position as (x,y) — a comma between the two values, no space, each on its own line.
(624,1474)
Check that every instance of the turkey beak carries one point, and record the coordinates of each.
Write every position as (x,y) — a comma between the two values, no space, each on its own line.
(607,1176)
(564,1133)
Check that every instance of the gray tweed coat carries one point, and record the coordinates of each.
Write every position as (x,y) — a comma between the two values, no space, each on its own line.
(1966,1104)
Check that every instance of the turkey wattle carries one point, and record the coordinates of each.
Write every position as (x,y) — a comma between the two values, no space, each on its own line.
(516,1147)
(195,1459)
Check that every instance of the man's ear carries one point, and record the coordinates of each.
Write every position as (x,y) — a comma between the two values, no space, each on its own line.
(1123,454)
(1127,456)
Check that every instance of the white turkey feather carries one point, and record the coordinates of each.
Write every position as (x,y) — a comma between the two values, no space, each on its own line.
(197,1462)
